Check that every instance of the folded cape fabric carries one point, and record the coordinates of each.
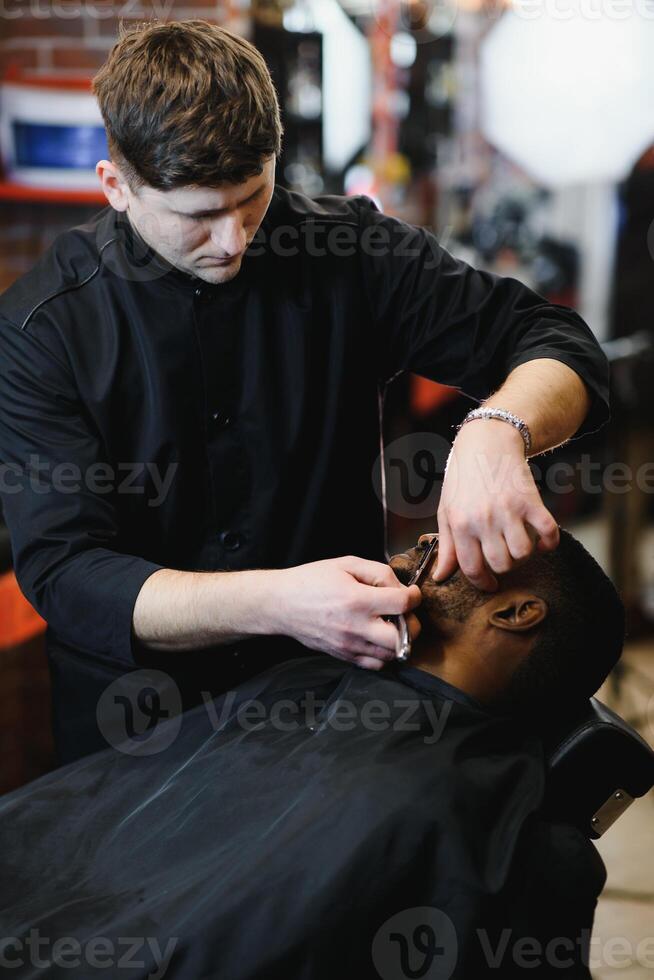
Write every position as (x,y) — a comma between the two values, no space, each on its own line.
(321,821)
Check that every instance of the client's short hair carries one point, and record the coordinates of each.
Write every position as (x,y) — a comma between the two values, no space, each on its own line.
(578,643)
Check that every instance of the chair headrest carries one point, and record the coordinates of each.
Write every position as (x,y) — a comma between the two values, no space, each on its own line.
(592,757)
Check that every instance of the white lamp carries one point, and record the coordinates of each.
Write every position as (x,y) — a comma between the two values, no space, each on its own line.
(567,88)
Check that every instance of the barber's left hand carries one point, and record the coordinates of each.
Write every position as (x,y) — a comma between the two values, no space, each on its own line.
(491,513)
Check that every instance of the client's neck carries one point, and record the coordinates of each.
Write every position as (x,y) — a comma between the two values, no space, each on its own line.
(453,661)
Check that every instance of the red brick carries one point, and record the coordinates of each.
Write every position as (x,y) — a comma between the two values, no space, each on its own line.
(109,26)
(176,9)
(115,6)
(17,58)
(32,27)
(80,58)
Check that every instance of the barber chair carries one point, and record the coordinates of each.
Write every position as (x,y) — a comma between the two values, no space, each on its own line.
(629,439)
(598,765)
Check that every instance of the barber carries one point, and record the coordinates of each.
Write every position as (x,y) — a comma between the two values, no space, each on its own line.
(188,396)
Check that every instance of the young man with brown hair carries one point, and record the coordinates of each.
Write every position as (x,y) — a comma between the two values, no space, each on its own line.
(189,394)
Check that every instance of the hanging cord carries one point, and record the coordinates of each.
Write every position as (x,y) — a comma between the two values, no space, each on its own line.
(68,289)
(381,394)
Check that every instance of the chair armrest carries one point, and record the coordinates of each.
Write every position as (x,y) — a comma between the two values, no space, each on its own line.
(597,766)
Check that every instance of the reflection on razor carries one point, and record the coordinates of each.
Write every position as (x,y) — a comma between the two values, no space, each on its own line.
(403,649)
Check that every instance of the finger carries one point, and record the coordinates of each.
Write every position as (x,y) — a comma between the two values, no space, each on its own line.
(447,562)
(496,553)
(374,573)
(415,627)
(383,635)
(381,639)
(545,527)
(472,564)
(368,663)
(383,654)
(519,542)
(362,649)
(391,602)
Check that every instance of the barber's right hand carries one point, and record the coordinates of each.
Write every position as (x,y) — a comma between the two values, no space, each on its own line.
(336,606)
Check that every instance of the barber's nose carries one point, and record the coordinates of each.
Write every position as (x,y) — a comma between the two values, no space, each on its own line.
(230,236)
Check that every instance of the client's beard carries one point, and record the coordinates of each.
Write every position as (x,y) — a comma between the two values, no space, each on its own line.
(454,599)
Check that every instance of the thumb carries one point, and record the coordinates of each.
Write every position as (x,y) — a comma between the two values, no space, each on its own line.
(447,562)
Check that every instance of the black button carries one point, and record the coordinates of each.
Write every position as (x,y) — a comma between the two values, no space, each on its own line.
(231,540)
(221,419)
(198,292)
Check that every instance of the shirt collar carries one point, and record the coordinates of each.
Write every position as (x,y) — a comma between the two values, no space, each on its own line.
(428,683)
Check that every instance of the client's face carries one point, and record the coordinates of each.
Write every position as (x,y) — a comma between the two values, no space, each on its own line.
(473,639)
(454,599)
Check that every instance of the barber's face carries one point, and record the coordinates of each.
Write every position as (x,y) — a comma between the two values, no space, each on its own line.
(453,599)
(204,231)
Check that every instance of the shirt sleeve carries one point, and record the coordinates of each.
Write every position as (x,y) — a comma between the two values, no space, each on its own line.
(62,521)
(442,319)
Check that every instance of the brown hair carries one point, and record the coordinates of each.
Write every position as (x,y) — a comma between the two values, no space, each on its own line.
(187,103)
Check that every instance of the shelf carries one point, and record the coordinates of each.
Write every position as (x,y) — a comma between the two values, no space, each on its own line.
(21,192)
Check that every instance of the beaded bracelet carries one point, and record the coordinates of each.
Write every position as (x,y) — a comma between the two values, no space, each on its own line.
(499,413)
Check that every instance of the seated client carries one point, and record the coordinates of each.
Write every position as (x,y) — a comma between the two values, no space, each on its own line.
(325,821)
(550,635)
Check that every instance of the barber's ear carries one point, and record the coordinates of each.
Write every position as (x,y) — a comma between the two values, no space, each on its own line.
(519,614)
(113,184)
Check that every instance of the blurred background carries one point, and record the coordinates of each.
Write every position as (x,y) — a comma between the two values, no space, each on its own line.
(522,134)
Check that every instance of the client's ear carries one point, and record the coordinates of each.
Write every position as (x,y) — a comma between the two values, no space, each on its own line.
(518,613)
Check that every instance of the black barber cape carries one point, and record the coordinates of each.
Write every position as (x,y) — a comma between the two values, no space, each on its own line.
(150,420)
(320,822)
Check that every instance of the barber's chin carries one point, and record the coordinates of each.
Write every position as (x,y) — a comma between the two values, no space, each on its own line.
(217,275)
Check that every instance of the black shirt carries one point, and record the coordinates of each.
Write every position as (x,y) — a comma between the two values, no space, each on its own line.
(256,400)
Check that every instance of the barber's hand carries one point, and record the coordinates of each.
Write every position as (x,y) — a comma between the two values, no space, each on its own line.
(491,516)
(336,606)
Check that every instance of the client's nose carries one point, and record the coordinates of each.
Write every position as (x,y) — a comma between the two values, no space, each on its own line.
(426,539)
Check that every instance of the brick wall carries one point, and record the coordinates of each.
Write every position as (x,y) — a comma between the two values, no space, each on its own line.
(60,38)
(26,230)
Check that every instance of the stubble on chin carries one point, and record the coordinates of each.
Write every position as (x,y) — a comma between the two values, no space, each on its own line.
(217,277)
